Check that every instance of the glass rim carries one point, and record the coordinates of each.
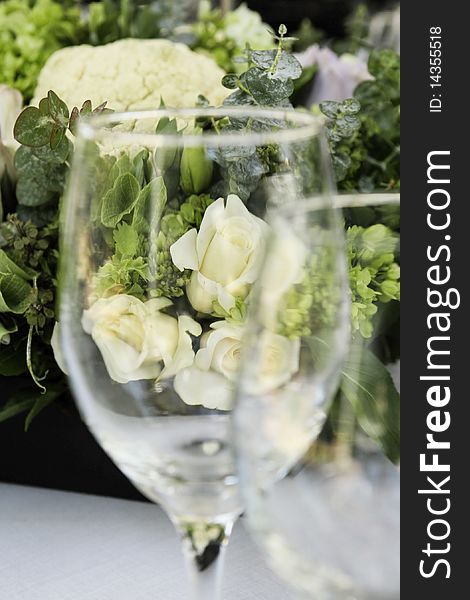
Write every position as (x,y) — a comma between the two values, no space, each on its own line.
(338,201)
(304,125)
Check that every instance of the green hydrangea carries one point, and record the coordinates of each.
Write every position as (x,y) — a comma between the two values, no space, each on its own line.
(166,279)
(310,305)
(374,274)
(225,37)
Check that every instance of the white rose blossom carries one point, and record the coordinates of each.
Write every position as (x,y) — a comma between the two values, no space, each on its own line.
(11,103)
(209,381)
(245,26)
(138,341)
(224,255)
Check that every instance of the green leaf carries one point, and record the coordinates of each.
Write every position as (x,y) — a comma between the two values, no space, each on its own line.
(7,327)
(59,154)
(330,108)
(13,359)
(41,173)
(86,108)
(126,239)
(57,135)
(15,294)
(149,206)
(58,109)
(264,88)
(138,166)
(230,81)
(239,98)
(8,267)
(30,192)
(14,407)
(288,66)
(351,106)
(33,128)
(43,400)
(369,387)
(119,200)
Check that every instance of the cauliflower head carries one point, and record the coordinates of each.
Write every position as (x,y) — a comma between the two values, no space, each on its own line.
(131,74)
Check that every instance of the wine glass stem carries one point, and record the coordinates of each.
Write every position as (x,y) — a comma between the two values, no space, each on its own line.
(204,545)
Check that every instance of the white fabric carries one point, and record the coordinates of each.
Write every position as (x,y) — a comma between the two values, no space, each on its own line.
(66,546)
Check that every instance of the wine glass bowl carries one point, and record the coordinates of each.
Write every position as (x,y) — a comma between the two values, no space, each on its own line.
(167,221)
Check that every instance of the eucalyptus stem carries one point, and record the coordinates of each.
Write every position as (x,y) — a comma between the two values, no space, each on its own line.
(37,380)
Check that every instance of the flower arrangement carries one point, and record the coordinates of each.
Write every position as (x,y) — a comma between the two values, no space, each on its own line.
(34,162)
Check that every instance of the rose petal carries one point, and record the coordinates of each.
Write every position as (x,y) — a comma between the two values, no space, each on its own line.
(205,388)
(184,355)
(200,293)
(183,251)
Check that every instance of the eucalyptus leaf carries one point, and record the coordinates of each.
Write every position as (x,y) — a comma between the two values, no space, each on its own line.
(57,135)
(288,66)
(120,200)
(230,81)
(264,88)
(33,128)
(30,192)
(59,154)
(58,109)
(367,384)
(239,98)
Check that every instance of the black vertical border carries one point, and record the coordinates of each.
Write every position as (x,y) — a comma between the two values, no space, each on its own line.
(421,133)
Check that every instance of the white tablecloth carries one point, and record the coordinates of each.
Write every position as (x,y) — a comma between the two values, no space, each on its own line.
(64,546)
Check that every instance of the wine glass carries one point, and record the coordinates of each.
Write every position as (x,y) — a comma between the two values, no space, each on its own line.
(318,471)
(165,227)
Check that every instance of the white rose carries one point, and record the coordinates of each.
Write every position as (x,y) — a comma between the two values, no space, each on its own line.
(210,380)
(245,26)
(224,255)
(11,103)
(138,341)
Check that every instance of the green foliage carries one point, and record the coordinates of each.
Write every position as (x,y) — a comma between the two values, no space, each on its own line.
(365,143)
(169,281)
(269,79)
(29,244)
(111,20)
(368,386)
(47,124)
(126,239)
(310,305)
(29,33)
(373,273)
(119,200)
(121,275)
(215,35)
(374,278)
(30,400)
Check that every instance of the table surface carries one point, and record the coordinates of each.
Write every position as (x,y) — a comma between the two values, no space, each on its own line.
(66,546)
